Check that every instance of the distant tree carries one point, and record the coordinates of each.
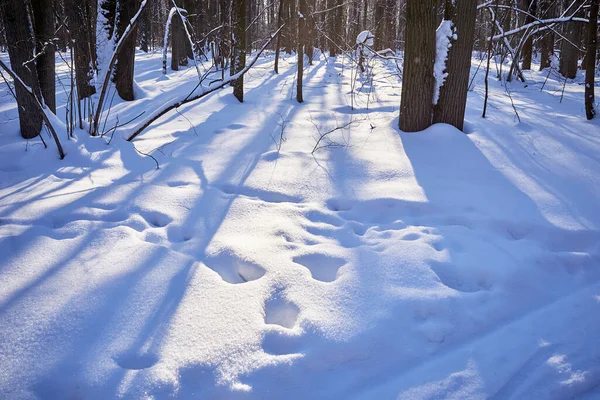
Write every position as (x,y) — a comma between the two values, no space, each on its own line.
(547,9)
(20,43)
(419,57)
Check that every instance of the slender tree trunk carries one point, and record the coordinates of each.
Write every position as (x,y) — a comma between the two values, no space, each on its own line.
(452,102)
(145,28)
(176,33)
(278,41)
(44,34)
(20,45)
(239,30)
(419,56)
(591,57)
(302,12)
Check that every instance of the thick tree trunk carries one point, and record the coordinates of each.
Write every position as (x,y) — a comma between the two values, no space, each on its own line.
(569,54)
(452,102)
(528,45)
(20,45)
(419,56)
(547,10)
(79,15)
(590,72)
(124,69)
(239,30)
(44,34)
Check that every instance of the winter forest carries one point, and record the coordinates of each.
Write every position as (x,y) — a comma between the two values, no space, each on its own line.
(299,199)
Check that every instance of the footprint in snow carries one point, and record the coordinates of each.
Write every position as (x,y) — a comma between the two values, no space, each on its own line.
(281,312)
(233,269)
(322,267)
(136,361)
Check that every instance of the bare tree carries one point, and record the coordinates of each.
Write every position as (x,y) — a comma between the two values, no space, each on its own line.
(590,72)
(419,56)
(20,43)
(239,33)
(44,37)
(452,101)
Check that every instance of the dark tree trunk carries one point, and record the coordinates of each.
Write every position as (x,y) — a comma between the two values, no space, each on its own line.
(452,102)
(20,43)
(590,72)
(124,69)
(278,40)
(82,32)
(239,30)
(176,42)
(569,54)
(528,45)
(145,28)
(44,33)
(301,38)
(547,10)
(419,57)
(380,24)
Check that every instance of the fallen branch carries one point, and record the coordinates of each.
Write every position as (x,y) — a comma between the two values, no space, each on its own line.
(205,91)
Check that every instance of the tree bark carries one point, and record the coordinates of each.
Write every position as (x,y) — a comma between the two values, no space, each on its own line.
(302,12)
(20,45)
(528,45)
(239,30)
(569,55)
(44,34)
(547,10)
(82,31)
(452,102)
(591,57)
(419,57)
(124,69)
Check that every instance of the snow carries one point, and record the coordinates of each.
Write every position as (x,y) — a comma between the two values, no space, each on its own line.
(365,37)
(401,265)
(444,35)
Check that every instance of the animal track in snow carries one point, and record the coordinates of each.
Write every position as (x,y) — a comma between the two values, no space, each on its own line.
(280,312)
(234,270)
(136,361)
(322,267)
(156,219)
(339,205)
(457,280)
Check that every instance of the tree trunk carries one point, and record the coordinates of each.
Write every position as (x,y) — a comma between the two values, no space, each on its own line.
(419,57)
(278,41)
(452,102)
(528,45)
(239,30)
(79,16)
(547,10)
(44,34)
(590,71)
(145,29)
(124,69)
(20,45)
(176,38)
(301,38)
(569,55)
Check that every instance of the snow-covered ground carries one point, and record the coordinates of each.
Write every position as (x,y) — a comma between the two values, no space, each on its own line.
(385,265)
